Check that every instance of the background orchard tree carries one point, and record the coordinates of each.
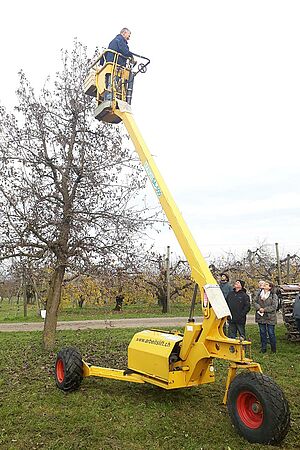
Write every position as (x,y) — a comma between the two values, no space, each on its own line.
(18,283)
(255,265)
(9,285)
(67,182)
(155,275)
(82,290)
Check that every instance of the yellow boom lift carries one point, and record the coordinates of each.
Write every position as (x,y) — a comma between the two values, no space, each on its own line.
(173,360)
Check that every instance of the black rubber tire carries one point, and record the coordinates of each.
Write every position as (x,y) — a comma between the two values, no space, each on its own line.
(68,369)
(258,408)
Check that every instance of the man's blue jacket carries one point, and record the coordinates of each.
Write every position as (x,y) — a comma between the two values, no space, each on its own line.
(120,45)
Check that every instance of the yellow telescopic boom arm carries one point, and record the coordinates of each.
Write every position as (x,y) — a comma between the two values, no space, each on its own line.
(200,270)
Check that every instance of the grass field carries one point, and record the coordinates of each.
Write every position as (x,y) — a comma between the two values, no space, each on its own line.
(114,415)
(14,313)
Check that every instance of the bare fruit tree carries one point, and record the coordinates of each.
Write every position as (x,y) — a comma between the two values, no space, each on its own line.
(155,275)
(67,182)
(255,265)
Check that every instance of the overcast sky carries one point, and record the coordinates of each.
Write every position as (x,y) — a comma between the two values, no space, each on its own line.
(219,106)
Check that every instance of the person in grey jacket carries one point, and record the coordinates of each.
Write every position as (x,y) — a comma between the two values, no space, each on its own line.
(297,311)
(224,284)
(226,288)
(265,305)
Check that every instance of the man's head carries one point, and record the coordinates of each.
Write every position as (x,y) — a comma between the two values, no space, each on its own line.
(224,278)
(125,32)
(239,285)
(261,284)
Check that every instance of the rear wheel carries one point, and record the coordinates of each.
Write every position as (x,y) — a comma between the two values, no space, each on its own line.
(68,369)
(258,408)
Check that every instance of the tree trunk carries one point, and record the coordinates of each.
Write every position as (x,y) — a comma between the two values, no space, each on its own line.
(162,299)
(53,301)
(80,301)
(25,302)
(164,303)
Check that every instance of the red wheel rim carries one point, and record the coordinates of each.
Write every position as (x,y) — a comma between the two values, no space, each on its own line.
(60,371)
(250,410)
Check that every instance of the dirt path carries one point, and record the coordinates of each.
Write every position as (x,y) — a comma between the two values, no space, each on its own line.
(155,322)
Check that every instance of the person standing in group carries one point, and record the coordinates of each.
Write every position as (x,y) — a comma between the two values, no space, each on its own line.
(261,285)
(239,304)
(226,288)
(297,311)
(224,284)
(266,305)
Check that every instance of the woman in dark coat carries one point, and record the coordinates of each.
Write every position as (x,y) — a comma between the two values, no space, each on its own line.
(239,304)
(266,305)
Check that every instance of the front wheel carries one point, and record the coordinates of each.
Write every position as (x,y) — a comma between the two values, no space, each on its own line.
(68,369)
(258,408)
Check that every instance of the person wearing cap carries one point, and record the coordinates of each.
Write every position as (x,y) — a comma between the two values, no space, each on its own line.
(224,284)
(226,288)
(239,304)
(265,305)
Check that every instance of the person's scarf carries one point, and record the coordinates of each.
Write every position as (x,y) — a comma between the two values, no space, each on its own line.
(264,294)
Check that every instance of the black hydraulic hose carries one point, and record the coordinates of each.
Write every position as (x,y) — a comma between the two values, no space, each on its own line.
(142,57)
(191,317)
(143,65)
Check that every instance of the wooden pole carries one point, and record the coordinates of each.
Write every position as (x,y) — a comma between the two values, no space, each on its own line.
(288,268)
(278,263)
(24,296)
(168,277)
